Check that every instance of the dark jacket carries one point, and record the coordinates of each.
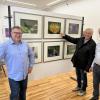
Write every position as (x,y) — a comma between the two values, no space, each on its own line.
(84,53)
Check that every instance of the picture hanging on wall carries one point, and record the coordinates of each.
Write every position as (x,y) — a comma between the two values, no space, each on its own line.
(6,32)
(53,51)
(37,49)
(73,27)
(69,50)
(53,27)
(31,24)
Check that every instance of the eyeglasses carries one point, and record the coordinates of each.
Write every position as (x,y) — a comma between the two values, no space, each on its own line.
(17,32)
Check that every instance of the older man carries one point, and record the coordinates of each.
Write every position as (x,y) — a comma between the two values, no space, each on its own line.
(82,58)
(19,60)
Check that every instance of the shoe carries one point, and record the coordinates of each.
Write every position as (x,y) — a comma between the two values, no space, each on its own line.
(93,98)
(81,93)
(76,89)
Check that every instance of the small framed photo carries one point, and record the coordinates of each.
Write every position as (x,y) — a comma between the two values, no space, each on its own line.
(69,50)
(53,27)
(37,49)
(53,51)
(5,33)
(73,27)
(31,24)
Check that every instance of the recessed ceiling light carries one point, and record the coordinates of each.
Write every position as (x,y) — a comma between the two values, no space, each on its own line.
(54,2)
(23,3)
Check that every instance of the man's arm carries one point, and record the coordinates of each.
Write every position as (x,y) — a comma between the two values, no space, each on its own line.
(91,57)
(91,68)
(2,51)
(31,59)
(70,39)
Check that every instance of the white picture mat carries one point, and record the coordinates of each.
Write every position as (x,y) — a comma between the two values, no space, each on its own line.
(19,16)
(39,47)
(46,44)
(65,50)
(52,19)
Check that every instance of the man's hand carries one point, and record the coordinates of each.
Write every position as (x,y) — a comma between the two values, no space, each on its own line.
(30,70)
(91,69)
(62,34)
(87,69)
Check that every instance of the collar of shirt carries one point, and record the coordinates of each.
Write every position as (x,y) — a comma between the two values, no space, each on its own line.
(12,42)
(85,41)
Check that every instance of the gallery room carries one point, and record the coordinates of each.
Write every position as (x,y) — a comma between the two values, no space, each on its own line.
(49,49)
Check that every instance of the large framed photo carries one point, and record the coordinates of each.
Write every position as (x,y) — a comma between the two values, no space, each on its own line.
(31,24)
(53,51)
(73,27)
(53,27)
(69,50)
(37,49)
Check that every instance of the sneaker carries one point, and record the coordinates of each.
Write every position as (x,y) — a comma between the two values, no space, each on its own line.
(93,98)
(76,89)
(81,93)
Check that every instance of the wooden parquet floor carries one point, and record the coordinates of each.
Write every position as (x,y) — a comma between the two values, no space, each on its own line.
(57,87)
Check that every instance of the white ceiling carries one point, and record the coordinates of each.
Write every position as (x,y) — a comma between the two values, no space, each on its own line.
(36,4)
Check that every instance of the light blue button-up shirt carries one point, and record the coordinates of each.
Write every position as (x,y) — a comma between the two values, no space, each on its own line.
(18,58)
(97,55)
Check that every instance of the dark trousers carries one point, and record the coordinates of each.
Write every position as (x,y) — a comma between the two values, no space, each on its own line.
(96,81)
(18,89)
(81,79)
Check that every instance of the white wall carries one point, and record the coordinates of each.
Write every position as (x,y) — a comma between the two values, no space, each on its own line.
(43,69)
(88,8)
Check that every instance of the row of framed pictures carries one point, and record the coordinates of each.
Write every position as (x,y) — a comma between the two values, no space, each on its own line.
(38,26)
(53,50)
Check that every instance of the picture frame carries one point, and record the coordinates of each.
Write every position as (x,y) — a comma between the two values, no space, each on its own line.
(73,27)
(53,27)
(69,49)
(5,33)
(37,48)
(31,24)
(53,51)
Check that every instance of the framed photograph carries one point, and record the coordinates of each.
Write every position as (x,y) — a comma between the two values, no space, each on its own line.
(37,49)
(53,51)
(69,50)
(73,27)
(53,27)
(6,32)
(31,24)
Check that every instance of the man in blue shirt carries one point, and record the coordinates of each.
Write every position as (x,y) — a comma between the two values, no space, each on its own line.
(19,59)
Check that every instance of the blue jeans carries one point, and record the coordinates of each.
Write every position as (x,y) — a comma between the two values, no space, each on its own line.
(18,89)
(81,79)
